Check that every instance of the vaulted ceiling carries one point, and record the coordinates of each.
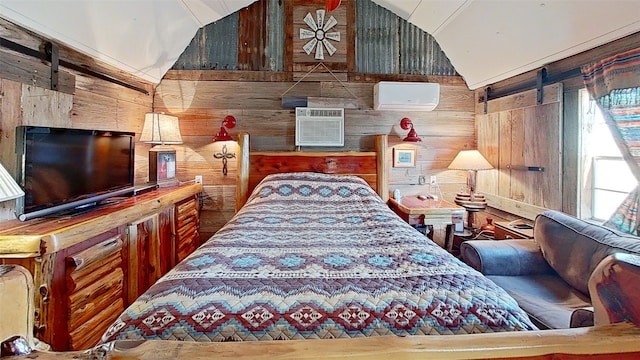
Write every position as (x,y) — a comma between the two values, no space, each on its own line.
(486,40)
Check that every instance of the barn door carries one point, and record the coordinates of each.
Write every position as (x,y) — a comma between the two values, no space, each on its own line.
(523,141)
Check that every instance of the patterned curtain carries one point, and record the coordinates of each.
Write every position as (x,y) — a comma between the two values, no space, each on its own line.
(614,83)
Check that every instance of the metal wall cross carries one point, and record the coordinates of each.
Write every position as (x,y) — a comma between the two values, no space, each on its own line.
(224,156)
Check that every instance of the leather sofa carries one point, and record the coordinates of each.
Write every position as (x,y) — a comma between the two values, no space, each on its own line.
(551,275)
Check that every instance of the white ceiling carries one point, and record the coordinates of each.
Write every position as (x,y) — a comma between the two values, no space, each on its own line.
(486,40)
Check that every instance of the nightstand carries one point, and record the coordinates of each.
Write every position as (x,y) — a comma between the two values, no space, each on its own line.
(428,212)
(506,231)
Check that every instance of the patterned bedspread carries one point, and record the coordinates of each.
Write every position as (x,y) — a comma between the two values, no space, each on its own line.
(317,256)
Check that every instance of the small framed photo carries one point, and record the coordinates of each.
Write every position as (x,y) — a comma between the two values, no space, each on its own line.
(404,157)
(162,166)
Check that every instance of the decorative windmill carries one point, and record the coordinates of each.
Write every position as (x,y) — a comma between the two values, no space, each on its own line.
(320,34)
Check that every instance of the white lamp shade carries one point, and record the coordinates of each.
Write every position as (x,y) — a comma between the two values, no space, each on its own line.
(9,189)
(470,160)
(161,128)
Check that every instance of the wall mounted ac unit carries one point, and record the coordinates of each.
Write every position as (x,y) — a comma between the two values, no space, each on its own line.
(407,96)
(319,126)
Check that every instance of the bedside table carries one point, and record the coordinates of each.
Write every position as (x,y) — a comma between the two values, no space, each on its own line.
(428,212)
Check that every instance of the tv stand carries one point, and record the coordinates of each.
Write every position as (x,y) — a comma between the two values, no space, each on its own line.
(89,266)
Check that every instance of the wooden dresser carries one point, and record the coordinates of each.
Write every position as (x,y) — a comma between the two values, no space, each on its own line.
(88,267)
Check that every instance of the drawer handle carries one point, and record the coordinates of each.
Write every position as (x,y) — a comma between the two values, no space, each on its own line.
(111,243)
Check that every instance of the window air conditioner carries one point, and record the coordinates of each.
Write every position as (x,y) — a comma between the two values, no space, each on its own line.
(406,96)
(319,126)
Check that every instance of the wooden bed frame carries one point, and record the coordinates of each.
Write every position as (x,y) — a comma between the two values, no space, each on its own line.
(253,167)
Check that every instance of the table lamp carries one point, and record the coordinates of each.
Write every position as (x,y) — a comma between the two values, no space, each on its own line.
(471,160)
(9,189)
(161,129)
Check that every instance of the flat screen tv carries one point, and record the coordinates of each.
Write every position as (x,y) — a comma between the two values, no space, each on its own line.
(65,169)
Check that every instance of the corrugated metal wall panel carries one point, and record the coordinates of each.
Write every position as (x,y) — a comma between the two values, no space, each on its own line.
(421,54)
(385,43)
(215,46)
(388,44)
(377,42)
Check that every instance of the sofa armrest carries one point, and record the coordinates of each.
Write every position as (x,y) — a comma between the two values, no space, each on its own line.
(614,287)
(505,257)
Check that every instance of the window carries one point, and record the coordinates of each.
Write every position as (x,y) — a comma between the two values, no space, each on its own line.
(605,177)
(612,182)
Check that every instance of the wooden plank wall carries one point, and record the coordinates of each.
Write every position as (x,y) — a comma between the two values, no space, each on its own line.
(202,104)
(82,102)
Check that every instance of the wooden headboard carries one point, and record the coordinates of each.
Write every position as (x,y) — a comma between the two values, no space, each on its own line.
(253,167)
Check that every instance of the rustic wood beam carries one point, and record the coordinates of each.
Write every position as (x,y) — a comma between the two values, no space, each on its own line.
(74,60)
(566,70)
(236,75)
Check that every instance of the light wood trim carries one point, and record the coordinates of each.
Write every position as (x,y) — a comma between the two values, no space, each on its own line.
(382,178)
(578,343)
(20,246)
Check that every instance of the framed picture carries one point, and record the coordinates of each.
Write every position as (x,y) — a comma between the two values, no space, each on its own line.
(404,157)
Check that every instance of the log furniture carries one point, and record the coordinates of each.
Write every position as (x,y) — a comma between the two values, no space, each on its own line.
(87,268)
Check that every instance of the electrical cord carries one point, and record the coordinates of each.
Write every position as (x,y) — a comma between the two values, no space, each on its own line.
(480,233)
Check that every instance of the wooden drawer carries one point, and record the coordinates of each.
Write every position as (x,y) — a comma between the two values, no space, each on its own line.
(187,228)
(95,290)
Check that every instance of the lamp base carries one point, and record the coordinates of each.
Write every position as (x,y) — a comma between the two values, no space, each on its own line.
(471,201)
(162,166)
(472,204)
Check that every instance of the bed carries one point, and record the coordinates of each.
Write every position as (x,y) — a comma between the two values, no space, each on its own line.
(317,256)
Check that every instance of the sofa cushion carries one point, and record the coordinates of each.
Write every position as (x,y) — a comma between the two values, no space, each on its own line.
(548,300)
(574,247)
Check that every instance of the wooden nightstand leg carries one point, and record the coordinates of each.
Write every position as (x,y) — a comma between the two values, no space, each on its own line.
(448,238)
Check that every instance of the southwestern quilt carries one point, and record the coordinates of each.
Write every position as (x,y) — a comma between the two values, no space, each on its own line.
(317,256)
